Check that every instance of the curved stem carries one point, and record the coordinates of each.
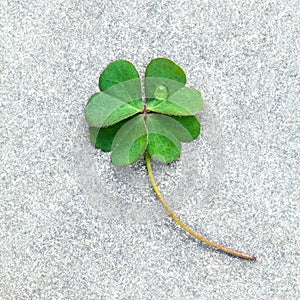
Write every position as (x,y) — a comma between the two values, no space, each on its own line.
(181,224)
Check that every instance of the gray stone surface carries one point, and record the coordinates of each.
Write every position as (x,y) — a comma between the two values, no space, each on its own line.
(72,226)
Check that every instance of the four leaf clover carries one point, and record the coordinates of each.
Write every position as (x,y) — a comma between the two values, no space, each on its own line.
(127,124)
(122,123)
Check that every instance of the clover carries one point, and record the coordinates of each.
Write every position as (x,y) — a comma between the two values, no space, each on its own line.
(129,123)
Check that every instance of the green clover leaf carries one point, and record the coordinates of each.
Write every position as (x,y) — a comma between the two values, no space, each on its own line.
(122,123)
(165,91)
(119,98)
(119,121)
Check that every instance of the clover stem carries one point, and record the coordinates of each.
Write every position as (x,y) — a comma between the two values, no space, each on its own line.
(181,224)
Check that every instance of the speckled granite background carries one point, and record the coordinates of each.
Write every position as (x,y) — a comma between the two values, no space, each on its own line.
(72,226)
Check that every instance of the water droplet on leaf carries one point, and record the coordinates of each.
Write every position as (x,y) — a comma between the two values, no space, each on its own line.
(161,92)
